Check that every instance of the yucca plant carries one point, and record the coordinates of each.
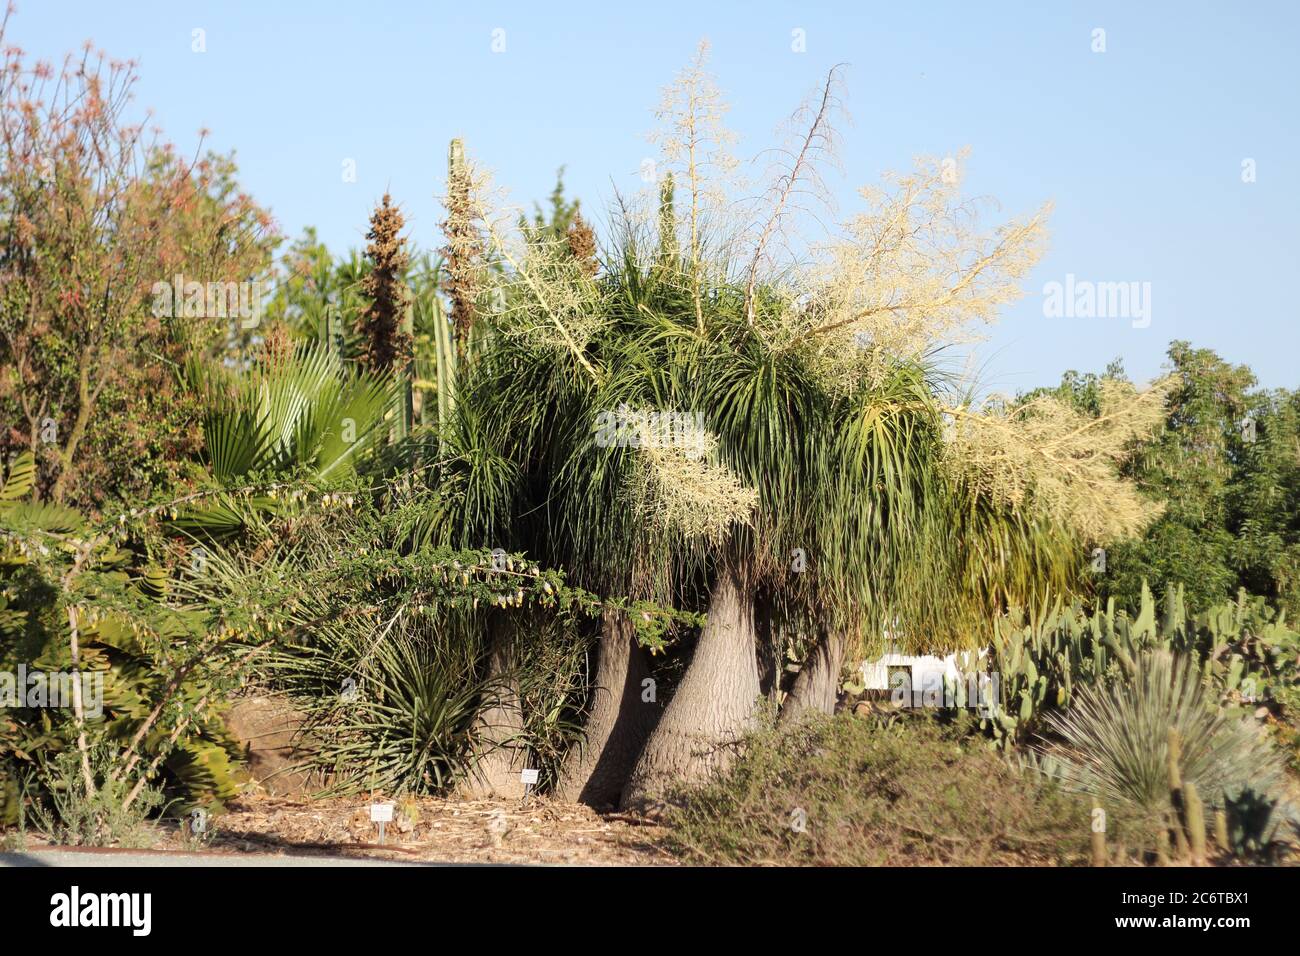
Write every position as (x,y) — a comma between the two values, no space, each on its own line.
(392,712)
(397,711)
(1115,742)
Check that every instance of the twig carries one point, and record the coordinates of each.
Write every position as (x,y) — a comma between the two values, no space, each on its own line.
(815,130)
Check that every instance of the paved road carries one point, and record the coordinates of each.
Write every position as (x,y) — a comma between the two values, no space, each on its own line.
(135,858)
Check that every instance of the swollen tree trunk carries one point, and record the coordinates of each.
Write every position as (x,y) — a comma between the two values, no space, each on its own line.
(714,704)
(817,687)
(623,712)
(499,728)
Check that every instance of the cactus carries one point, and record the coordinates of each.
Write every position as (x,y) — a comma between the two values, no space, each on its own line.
(1189,810)
(1194,819)
(1162,847)
(1041,659)
(1176,792)
(1175,761)
(1221,830)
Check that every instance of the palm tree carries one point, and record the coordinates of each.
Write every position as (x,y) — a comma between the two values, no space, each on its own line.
(299,409)
(806,495)
(576,514)
(839,481)
(294,412)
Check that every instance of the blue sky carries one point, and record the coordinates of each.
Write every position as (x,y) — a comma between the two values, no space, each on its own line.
(1141,147)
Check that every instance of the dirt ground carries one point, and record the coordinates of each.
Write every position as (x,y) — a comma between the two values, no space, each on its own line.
(427,829)
(277,814)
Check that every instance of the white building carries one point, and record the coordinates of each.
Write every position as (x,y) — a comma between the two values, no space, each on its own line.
(928,679)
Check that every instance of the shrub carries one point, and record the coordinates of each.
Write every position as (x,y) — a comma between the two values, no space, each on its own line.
(393,712)
(100,211)
(397,711)
(160,661)
(72,814)
(1116,745)
(867,793)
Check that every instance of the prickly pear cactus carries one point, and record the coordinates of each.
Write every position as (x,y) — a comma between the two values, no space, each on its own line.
(1242,648)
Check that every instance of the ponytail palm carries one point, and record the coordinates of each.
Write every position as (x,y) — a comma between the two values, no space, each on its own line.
(813,476)
(788,466)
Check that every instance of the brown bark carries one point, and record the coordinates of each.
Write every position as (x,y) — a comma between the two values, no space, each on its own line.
(816,689)
(499,728)
(714,704)
(597,768)
(86,401)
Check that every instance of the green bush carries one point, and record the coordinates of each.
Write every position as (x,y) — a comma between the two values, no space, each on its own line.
(164,673)
(390,711)
(73,814)
(397,711)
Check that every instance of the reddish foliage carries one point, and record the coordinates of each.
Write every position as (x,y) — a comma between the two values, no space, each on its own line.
(93,214)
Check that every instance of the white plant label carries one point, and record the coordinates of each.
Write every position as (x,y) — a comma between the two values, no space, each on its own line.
(528,777)
(381,813)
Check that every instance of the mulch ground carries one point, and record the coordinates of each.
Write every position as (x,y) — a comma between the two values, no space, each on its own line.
(538,831)
(456,831)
